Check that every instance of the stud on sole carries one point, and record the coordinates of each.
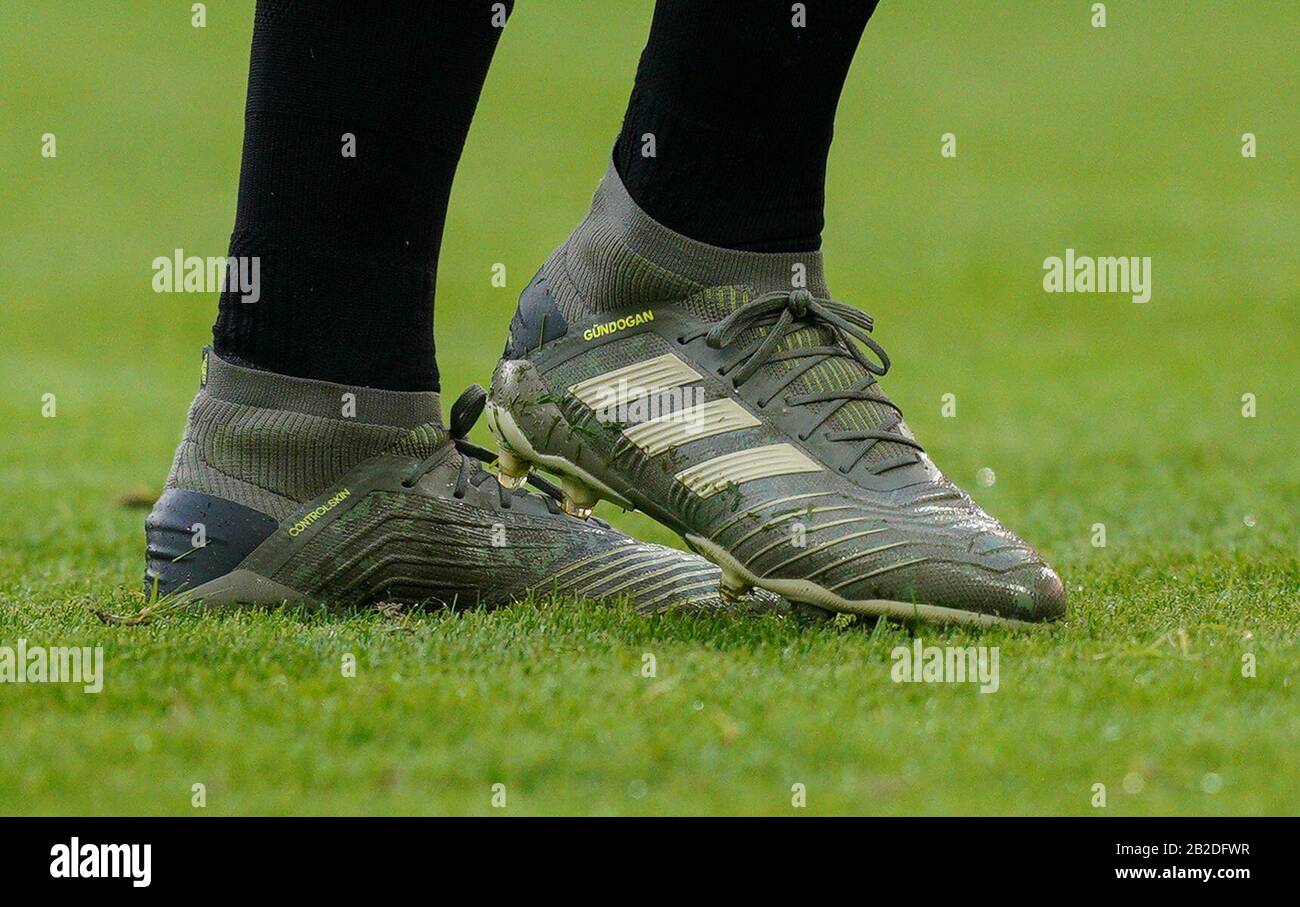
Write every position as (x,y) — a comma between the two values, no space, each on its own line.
(579,500)
(508,435)
(513,470)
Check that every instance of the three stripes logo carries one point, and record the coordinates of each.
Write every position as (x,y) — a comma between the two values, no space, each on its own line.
(663,405)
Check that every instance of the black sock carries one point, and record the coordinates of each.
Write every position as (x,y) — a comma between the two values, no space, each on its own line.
(741,106)
(348,246)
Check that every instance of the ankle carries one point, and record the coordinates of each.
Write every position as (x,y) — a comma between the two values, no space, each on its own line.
(272,442)
(620,257)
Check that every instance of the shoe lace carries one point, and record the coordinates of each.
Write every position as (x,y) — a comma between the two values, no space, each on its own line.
(785,310)
(465,413)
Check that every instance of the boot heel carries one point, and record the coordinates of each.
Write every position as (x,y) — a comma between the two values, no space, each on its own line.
(191,538)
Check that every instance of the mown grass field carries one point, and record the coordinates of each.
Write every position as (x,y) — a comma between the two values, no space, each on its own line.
(1088,409)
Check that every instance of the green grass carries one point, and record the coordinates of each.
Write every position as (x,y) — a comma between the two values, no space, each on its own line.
(1089,409)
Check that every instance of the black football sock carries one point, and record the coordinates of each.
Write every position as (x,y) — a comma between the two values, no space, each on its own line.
(355,121)
(729,125)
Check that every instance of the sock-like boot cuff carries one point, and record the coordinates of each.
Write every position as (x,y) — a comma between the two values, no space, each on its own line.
(615,215)
(232,383)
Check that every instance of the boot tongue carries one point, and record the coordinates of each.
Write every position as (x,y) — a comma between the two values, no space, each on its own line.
(423,441)
(831,374)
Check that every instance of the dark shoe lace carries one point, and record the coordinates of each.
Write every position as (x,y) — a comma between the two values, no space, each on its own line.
(786,310)
(464,413)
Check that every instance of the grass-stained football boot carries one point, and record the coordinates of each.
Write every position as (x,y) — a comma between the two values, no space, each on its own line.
(726,395)
(291,490)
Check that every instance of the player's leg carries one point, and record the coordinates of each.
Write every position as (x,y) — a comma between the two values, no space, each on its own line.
(355,121)
(729,124)
(315,465)
(697,278)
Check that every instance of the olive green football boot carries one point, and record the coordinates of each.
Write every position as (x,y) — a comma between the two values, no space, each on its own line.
(290,490)
(726,394)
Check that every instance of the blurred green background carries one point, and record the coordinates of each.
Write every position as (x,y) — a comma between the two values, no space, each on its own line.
(1123,140)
